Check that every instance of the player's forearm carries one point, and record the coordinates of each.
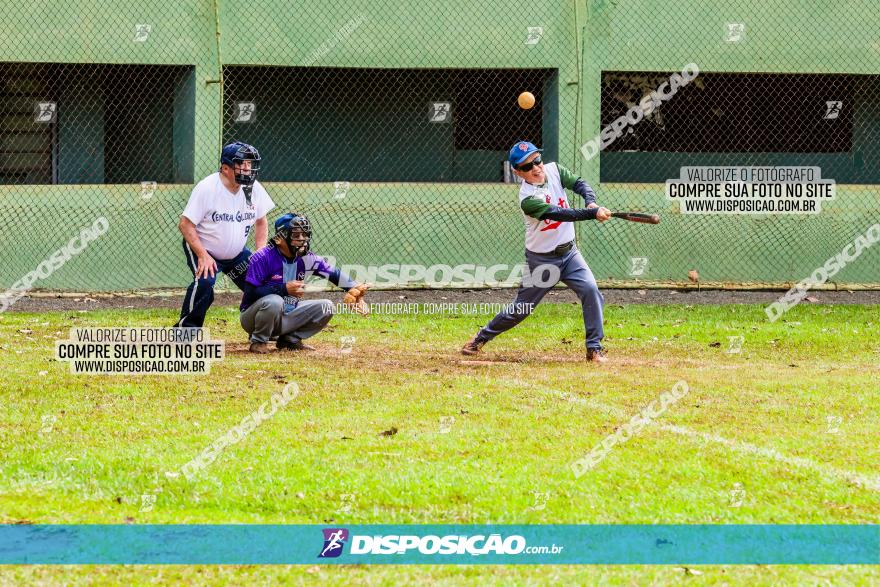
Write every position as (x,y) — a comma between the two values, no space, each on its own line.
(340,279)
(569,214)
(188,230)
(252,292)
(261,232)
(584,190)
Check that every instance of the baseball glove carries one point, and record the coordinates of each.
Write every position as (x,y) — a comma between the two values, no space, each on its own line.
(355,299)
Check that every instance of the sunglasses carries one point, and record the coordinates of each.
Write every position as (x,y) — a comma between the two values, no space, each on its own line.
(528,166)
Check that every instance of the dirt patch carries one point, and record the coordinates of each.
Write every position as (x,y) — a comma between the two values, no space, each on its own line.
(481,363)
(47,301)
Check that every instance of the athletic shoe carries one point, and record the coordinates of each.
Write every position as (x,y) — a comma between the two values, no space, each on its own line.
(292,344)
(473,346)
(261,348)
(596,355)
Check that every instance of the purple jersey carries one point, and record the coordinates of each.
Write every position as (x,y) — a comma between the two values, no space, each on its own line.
(269,267)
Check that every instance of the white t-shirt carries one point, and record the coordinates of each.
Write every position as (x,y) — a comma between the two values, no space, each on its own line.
(223,220)
(542,236)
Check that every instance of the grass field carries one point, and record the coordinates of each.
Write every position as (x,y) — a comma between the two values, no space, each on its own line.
(783,431)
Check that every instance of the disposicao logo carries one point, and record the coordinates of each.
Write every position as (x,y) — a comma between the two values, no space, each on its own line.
(334,540)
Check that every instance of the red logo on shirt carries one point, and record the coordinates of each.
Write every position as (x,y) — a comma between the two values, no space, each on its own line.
(551,225)
(276,277)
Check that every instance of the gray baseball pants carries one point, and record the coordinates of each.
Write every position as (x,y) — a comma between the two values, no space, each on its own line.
(573,272)
(266,319)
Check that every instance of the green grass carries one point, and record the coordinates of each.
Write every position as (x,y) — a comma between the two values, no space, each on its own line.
(518,425)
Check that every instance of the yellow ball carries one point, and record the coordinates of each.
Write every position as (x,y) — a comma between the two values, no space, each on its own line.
(526,100)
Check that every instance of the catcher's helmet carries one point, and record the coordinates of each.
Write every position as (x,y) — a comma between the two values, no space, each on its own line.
(288,225)
(234,154)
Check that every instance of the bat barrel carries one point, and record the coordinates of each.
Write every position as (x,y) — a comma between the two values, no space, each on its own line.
(637,217)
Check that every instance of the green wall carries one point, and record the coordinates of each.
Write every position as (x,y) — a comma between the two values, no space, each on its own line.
(403,34)
(444,225)
(782,36)
(372,124)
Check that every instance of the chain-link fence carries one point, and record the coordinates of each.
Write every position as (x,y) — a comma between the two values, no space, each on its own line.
(388,123)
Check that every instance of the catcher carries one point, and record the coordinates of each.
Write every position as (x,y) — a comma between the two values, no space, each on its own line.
(271,305)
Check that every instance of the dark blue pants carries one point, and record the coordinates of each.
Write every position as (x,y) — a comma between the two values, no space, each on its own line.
(200,293)
(574,273)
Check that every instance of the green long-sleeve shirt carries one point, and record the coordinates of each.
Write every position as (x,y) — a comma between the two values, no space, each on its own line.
(535,207)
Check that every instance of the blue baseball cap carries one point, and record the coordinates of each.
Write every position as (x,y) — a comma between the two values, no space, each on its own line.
(520,152)
(283,221)
(239,151)
(301,221)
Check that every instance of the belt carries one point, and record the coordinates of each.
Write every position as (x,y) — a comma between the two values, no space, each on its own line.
(560,250)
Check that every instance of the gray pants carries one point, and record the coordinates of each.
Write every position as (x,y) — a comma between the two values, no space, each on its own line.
(574,273)
(266,319)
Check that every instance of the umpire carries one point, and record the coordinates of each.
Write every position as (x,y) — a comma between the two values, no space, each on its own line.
(550,244)
(222,210)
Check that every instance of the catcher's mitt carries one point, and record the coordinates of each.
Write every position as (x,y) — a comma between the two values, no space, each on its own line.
(355,298)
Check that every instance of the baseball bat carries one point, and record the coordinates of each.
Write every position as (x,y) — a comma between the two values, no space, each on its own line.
(637,217)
